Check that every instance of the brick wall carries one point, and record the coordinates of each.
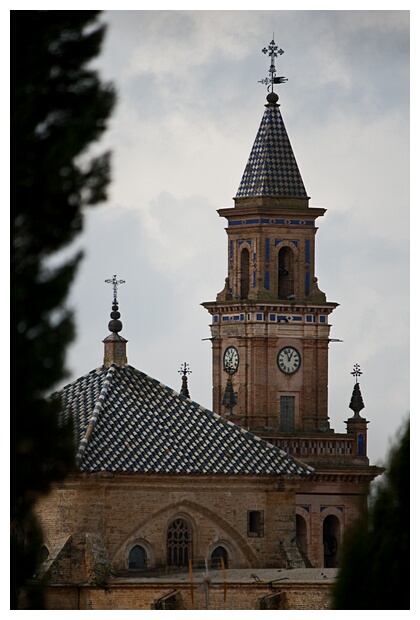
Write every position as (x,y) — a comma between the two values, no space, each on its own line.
(116,597)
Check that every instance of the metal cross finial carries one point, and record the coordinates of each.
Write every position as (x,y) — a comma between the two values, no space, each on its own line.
(356,372)
(273,52)
(115,284)
(185,369)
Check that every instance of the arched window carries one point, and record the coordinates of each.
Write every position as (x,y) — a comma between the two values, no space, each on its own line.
(331,537)
(137,557)
(179,543)
(286,285)
(216,557)
(301,534)
(244,273)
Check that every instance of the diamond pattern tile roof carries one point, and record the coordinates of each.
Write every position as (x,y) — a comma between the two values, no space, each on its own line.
(272,169)
(126,421)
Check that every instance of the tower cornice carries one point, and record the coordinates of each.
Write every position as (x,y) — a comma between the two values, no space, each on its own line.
(245,305)
(276,202)
(271,216)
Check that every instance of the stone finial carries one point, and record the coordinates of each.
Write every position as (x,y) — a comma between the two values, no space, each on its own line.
(356,402)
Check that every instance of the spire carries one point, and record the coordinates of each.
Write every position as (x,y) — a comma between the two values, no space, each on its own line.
(229,400)
(272,169)
(356,402)
(356,425)
(115,345)
(184,371)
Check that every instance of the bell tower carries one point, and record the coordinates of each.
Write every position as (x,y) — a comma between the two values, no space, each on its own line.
(270,324)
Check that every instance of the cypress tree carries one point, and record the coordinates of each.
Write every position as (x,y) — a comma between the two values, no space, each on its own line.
(375,563)
(60,107)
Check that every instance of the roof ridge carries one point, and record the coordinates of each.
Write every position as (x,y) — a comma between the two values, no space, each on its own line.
(95,414)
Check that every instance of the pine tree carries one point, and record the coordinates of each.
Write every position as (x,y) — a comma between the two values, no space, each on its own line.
(375,563)
(60,108)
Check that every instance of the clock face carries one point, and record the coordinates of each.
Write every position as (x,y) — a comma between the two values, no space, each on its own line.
(288,360)
(231,360)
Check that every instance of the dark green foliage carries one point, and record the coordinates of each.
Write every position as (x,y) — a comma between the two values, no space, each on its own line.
(375,563)
(59,108)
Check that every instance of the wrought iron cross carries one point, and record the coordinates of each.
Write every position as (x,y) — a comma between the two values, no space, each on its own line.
(115,284)
(185,369)
(273,51)
(356,372)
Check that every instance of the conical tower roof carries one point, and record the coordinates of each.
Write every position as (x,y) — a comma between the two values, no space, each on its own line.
(272,169)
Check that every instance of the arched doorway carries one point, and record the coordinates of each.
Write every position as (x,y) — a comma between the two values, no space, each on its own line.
(179,543)
(244,273)
(302,534)
(216,557)
(137,558)
(286,285)
(331,538)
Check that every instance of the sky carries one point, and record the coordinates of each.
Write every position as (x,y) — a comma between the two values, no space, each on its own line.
(189,107)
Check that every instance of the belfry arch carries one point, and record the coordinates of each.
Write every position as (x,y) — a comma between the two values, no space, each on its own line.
(244,281)
(285,273)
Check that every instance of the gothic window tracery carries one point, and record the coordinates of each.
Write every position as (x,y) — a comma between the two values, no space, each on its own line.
(179,542)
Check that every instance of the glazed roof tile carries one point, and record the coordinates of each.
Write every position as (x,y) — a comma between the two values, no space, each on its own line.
(272,169)
(126,421)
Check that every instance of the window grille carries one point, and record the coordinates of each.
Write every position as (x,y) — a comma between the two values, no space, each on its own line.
(287,414)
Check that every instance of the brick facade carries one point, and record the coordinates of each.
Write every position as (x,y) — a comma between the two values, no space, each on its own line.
(129,509)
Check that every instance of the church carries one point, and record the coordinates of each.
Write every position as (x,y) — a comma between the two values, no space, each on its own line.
(173,506)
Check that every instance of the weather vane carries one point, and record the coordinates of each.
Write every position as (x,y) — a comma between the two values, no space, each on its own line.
(356,372)
(273,51)
(115,284)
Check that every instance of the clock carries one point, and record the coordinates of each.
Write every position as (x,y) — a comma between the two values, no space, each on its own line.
(288,360)
(231,360)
